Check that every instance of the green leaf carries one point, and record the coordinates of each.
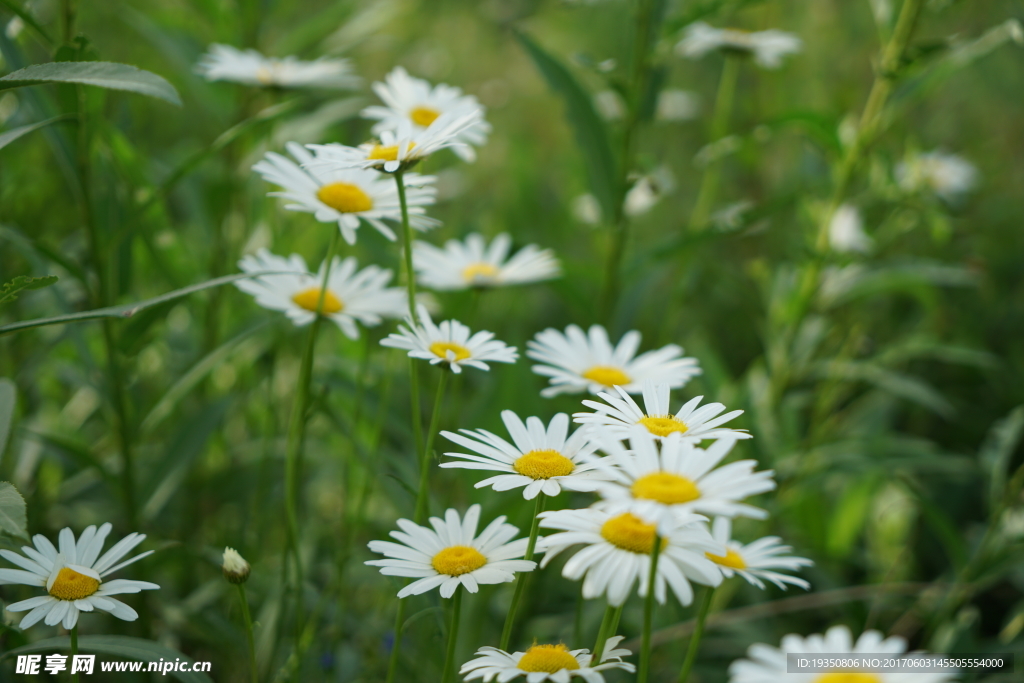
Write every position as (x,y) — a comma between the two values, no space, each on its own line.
(9,291)
(13,518)
(12,135)
(997,452)
(8,401)
(101,74)
(850,516)
(136,649)
(591,133)
(29,20)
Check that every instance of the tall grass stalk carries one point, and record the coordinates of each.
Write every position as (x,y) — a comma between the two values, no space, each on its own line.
(423,493)
(448,674)
(698,633)
(523,578)
(719,129)
(644,669)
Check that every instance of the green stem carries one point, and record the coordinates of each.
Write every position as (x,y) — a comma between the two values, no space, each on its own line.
(522,579)
(698,632)
(645,648)
(297,423)
(423,494)
(453,637)
(396,646)
(74,651)
(719,129)
(70,15)
(248,632)
(602,633)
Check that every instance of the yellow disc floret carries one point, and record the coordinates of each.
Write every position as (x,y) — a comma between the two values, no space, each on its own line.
(308,299)
(666,488)
(847,677)
(458,560)
(731,559)
(386,152)
(548,658)
(345,197)
(663,425)
(479,271)
(631,533)
(441,349)
(543,463)
(607,375)
(70,585)
(423,116)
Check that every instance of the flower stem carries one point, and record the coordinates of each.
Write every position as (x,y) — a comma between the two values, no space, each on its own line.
(602,633)
(453,637)
(396,645)
(645,647)
(248,632)
(698,632)
(74,651)
(719,129)
(422,495)
(522,579)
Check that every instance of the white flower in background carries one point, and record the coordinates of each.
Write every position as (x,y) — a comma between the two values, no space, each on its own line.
(73,576)
(578,362)
(677,105)
(947,175)
(555,663)
(617,416)
(350,296)
(609,105)
(767,47)
(767,663)
(450,343)
(648,191)
(234,566)
(540,460)
(846,231)
(402,147)
(474,263)
(617,554)
(451,554)
(755,561)
(346,196)
(665,481)
(586,209)
(226,63)
(414,101)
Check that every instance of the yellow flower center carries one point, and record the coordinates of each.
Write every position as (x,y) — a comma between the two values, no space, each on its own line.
(308,299)
(548,658)
(458,560)
(663,425)
(631,533)
(70,585)
(345,197)
(386,152)
(424,116)
(441,349)
(482,271)
(607,375)
(264,75)
(847,677)
(666,488)
(730,559)
(543,464)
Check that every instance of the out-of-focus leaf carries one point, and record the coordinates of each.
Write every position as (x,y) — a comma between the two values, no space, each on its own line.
(13,517)
(78,451)
(9,290)
(29,20)
(858,282)
(898,384)
(591,133)
(136,649)
(924,348)
(850,516)
(8,402)
(12,135)
(100,74)
(941,525)
(997,452)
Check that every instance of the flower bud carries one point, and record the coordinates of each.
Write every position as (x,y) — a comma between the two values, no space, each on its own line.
(236,569)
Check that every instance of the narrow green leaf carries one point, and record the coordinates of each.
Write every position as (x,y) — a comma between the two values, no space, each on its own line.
(9,291)
(8,401)
(136,649)
(101,74)
(997,452)
(13,518)
(591,133)
(12,135)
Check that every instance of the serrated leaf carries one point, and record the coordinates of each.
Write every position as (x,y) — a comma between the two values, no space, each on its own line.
(9,291)
(10,136)
(108,75)
(13,519)
(8,401)
(136,649)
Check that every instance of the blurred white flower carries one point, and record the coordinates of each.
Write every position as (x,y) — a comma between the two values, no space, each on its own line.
(731,216)
(234,566)
(767,47)
(846,231)
(609,105)
(586,209)
(947,175)
(540,663)
(648,191)
(474,263)
(414,101)
(755,561)
(677,105)
(226,63)
(450,343)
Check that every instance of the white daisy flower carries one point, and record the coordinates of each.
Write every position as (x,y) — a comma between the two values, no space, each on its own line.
(226,63)
(460,265)
(767,664)
(540,461)
(846,231)
(755,561)
(664,481)
(346,195)
(767,47)
(451,554)
(618,554)
(620,413)
(402,147)
(578,362)
(947,175)
(449,342)
(73,576)
(351,296)
(555,663)
(413,101)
